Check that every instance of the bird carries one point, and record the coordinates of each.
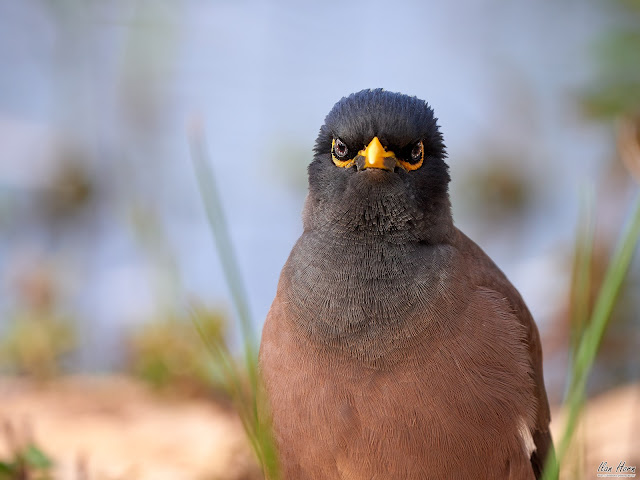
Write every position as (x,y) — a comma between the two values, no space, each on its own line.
(394,346)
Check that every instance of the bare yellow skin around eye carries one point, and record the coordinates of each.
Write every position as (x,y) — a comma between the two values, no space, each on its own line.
(402,163)
(340,163)
(412,166)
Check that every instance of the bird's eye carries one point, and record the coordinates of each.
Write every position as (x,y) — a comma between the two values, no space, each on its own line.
(417,152)
(340,149)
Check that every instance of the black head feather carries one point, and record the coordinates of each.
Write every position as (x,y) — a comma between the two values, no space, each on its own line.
(396,119)
(410,204)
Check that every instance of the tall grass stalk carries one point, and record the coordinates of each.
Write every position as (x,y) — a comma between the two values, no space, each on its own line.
(226,254)
(581,275)
(580,295)
(247,401)
(594,329)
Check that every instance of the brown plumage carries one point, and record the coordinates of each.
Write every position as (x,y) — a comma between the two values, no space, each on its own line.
(395,348)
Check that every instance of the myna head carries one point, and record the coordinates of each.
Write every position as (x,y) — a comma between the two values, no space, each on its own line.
(380,156)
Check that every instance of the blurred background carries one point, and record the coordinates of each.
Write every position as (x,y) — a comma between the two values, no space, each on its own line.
(104,243)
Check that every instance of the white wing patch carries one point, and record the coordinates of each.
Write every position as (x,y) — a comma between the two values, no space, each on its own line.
(527,439)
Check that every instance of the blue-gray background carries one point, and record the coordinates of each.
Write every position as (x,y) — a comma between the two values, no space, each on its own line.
(97,190)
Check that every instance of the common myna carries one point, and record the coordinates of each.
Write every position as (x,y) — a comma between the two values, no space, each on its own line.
(395,348)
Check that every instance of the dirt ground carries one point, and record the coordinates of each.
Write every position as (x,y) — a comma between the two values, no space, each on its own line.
(114,428)
(609,432)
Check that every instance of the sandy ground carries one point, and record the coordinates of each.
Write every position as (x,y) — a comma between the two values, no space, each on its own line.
(115,428)
(609,432)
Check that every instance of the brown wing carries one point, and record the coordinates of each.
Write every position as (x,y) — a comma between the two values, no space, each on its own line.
(490,276)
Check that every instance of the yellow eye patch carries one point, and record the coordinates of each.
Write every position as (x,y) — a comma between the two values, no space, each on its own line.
(375,156)
(413,166)
(340,163)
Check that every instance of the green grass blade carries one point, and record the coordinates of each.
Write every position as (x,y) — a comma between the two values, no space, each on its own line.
(215,215)
(581,278)
(593,334)
(259,433)
(607,297)
(36,458)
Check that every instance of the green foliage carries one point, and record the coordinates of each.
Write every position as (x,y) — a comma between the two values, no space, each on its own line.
(591,325)
(614,94)
(38,336)
(168,352)
(246,394)
(25,461)
(36,343)
(616,87)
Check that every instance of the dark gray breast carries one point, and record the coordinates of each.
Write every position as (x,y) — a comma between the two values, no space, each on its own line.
(369,297)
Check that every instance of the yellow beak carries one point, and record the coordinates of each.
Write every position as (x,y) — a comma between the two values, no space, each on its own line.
(375,155)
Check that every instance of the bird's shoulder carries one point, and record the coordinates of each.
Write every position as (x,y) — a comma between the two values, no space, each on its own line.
(491,281)
(485,275)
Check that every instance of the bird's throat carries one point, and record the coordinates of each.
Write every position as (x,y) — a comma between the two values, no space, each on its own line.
(374,210)
(340,291)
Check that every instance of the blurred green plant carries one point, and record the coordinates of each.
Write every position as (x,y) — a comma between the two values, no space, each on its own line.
(614,94)
(590,324)
(246,394)
(168,353)
(38,337)
(28,463)
(35,345)
(615,90)
(25,461)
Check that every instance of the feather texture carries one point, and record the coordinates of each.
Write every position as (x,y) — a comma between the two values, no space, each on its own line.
(395,348)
